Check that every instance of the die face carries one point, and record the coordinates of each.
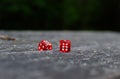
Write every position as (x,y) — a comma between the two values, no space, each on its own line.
(44,45)
(65,45)
(49,47)
(40,48)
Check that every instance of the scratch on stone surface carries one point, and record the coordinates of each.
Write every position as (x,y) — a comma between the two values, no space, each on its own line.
(4,37)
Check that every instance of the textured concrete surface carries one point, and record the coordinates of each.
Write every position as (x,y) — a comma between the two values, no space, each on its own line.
(94,55)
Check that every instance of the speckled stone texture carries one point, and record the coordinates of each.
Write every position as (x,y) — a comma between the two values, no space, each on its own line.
(94,55)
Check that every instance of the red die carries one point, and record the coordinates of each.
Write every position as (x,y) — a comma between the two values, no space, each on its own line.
(65,45)
(44,45)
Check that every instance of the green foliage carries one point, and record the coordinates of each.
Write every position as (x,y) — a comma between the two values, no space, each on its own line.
(68,12)
(84,12)
(40,3)
(71,12)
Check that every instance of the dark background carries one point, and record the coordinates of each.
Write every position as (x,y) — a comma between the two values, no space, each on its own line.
(60,15)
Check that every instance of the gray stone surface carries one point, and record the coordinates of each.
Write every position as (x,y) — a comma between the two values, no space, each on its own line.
(94,55)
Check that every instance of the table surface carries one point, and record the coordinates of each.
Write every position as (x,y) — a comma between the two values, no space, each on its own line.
(93,55)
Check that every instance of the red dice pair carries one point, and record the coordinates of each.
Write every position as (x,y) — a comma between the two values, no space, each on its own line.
(64,45)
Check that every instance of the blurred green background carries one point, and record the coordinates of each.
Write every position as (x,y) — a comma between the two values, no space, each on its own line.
(60,15)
